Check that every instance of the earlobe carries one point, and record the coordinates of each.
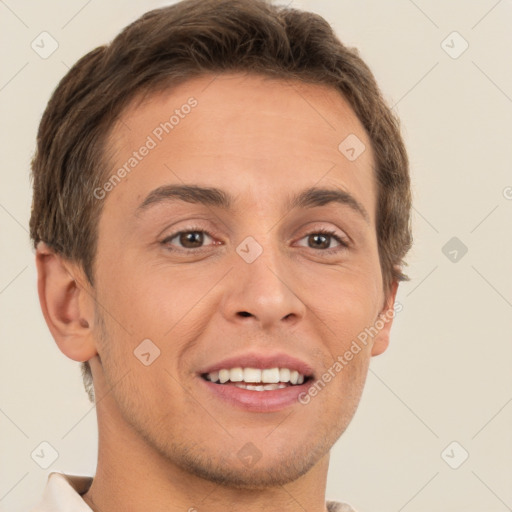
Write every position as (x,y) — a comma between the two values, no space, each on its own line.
(385,321)
(66,306)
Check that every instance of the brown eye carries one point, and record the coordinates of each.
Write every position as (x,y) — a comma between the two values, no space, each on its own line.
(188,240)
(325,241)
(319,241)
(191,239)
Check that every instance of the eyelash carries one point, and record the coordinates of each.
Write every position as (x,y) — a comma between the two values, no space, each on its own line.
(321,231)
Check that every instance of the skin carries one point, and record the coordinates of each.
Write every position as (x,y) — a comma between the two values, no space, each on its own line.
(165,443)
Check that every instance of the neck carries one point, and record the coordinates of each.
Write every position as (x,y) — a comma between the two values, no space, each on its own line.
(134,477)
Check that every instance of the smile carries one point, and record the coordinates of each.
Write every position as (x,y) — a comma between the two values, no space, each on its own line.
(259,390)
(255,379)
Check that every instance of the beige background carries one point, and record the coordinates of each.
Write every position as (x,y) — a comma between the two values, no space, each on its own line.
(446,376)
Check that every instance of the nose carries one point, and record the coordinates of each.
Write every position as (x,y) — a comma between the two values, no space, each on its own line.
(262,292)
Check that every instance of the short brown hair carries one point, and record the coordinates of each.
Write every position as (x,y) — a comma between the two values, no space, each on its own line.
(168,46)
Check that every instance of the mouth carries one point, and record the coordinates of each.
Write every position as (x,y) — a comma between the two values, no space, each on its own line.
(256,379)
(258,383)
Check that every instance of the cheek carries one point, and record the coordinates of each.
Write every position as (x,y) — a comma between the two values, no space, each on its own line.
(140,372)
(153,310)
(336,393)
(153,300)
(346,303)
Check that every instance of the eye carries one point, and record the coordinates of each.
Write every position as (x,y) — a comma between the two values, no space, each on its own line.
(189,239)
(322,239)
(197,238)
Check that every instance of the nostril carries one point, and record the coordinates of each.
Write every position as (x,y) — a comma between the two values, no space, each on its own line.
(244,313)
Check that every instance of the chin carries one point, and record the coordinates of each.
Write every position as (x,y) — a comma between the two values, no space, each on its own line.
(278,467)
(262,476)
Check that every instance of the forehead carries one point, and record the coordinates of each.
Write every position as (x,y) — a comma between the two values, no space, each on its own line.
(245,132)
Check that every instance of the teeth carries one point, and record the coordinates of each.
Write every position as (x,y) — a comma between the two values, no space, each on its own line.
(265,379)
(270,376)
(284,375)
(252,375)
(236,375)
(266,387)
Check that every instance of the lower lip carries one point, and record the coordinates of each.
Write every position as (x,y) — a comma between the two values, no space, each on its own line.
(258,401)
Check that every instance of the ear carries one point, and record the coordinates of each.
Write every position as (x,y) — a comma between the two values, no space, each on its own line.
(384,321)
(67,303)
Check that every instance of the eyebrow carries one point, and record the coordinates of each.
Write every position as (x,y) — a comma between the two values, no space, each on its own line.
(208,196)
(312,197)
(211,196)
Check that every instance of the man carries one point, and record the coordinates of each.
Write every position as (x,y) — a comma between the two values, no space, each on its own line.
(221,212)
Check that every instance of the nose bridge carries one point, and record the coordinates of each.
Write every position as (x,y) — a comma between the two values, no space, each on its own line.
(261,288)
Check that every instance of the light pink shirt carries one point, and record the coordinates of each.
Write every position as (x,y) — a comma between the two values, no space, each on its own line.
(63,494)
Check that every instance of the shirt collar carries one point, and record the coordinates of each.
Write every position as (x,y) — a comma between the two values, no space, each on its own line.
(63,493)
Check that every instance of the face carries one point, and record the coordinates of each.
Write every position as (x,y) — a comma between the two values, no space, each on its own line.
(277,267)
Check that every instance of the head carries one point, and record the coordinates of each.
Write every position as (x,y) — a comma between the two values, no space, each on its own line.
(226,120)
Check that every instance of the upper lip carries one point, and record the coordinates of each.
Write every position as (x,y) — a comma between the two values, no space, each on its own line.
(261,361)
